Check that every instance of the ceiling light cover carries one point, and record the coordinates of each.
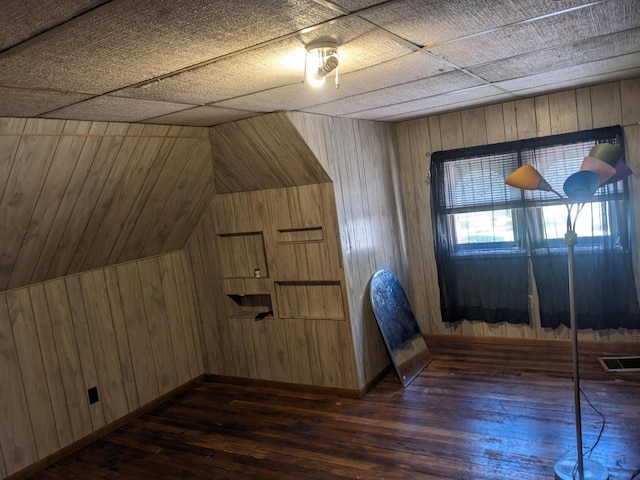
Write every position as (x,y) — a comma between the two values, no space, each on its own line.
(322,58)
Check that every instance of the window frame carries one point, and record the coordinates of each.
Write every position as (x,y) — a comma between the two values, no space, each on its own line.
(522,243)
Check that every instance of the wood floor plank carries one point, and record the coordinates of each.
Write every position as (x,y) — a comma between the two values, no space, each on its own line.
(478,411)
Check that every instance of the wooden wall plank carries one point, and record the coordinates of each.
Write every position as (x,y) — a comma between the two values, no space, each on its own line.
(155,308)
(16,435)
(263,162)
(510,121)
(86,200)
(298,346)
(32,160)
(51,365)
(605,106)
(417,276)
(451,131)
(174,228)
(174,318)
(583,103)
(526,118)
(102,197)
(49,199)
(191,322)
(474,127)
(155,156)
(201,250)
(174,169)
(629,94)
(68,202)
(68,358)
(3,469)
(128,187)
(33,375)
(564,112)
(85,348)
(495,120)
(105,347)
(122,339)
(261,351)
(138,331)
(543,117)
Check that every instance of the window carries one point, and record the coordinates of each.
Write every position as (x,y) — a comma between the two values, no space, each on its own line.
(485,214)
(491,238)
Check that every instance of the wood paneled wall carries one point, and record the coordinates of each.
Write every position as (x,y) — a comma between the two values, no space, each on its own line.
(130,330)
(313,344)
(81,195)
(262,153)
(360,157)
(602,105)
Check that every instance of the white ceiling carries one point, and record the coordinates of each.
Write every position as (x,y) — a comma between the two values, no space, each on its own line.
(197,62)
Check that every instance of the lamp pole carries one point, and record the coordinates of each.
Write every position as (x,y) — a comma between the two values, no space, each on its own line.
(567,468)
(571,239)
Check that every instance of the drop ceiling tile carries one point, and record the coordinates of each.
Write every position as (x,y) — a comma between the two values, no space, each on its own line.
(115,109)
(572,83)
(430,22)
(354,5)
(357,91)
(399,94)
(578,75)
(123,43)
(18,102)
(556,31)
(593,49)
(22,19)
(201,117)
(481,93)
(450,107)
(272,66)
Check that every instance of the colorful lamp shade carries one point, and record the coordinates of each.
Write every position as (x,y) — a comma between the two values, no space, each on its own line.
(527,178)
(622,172)
(606,152)
(580,186)
(603,169)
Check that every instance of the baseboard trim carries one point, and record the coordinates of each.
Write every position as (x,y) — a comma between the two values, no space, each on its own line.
(294,387)
(102,432)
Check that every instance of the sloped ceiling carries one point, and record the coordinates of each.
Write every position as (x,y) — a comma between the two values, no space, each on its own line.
(78,195)
(203,63)
(261,153)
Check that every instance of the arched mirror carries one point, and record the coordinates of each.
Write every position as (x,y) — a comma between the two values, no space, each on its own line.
(399,328)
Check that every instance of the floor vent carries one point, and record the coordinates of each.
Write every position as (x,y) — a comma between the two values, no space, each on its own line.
(620,364)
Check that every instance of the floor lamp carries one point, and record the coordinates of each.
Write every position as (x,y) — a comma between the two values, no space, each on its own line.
(600,167)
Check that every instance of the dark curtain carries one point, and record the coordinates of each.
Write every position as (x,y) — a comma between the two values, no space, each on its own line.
(483,277)
(605,291)
(487,278)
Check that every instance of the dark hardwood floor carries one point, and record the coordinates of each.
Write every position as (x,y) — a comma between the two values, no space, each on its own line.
(479,411)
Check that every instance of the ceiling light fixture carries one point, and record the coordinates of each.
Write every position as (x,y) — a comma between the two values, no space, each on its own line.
(322,59)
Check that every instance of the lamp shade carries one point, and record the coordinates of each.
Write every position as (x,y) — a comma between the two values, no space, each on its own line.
(527,178)
(580,186)
(606,152)
(603,169)
(622,172)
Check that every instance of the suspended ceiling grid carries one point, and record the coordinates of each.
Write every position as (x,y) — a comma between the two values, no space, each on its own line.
(204,63)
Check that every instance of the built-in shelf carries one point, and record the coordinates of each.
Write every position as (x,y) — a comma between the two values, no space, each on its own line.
(310,299)
(241,305)
(300,235)
(241,253)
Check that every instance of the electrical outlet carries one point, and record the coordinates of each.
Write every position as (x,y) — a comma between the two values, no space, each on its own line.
(93,395)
